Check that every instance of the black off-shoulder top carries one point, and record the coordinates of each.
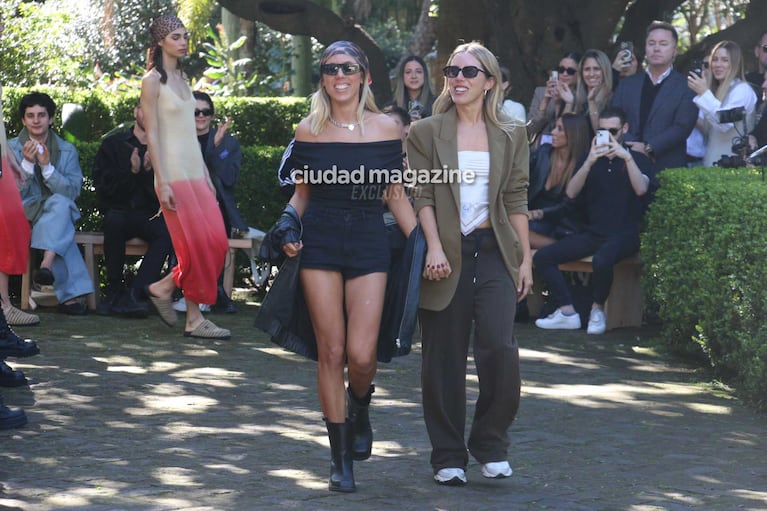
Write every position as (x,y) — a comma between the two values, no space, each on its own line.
(348,174)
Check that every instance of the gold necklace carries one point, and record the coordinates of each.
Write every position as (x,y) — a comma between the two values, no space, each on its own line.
(348,125)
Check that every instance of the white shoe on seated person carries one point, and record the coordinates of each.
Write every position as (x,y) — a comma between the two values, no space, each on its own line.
(597,322)
(496,470)
(450,477)
(559,321)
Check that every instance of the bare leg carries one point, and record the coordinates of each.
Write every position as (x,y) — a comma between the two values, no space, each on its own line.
(364,305)
(163,288)
(47,261)
(193,315)
(323,291)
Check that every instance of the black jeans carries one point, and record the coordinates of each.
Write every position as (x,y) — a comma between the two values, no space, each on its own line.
(606,254)
(485,298)
(120,226)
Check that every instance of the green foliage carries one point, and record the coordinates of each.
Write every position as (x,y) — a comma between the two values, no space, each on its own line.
(256,121)
(227,74)
(43,43)
(704,254)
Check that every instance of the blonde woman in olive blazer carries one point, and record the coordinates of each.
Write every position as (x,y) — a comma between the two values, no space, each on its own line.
(477,267)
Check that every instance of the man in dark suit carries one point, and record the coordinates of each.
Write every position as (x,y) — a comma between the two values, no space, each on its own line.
(658,103)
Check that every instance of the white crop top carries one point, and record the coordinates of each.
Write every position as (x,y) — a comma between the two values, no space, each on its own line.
(475,178)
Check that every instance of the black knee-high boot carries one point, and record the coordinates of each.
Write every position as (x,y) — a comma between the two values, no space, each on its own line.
(358,409)
(341,464)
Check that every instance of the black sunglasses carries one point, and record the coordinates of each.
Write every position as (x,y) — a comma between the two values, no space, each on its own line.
(207,112)
(569,70)
(764,48)
(613,131)
(347,68)
(467,71)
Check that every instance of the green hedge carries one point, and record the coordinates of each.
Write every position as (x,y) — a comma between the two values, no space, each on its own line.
(705,253)
(256,121)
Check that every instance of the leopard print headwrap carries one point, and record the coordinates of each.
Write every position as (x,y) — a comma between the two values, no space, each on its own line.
(162,26)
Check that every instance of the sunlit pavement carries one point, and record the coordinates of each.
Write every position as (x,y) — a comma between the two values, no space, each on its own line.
(130,415)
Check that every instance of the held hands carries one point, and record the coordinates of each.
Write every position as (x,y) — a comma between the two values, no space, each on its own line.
(437,266)
(36,153)
(221,131)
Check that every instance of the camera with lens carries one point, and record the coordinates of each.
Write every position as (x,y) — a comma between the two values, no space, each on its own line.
(732,115)
(731,161)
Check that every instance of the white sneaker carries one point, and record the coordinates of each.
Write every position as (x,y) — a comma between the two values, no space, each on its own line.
(559,321)
(597,322)
(450,477)
(496,469)
(180,306)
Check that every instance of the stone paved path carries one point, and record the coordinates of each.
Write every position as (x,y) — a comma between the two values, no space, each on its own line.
(129,415)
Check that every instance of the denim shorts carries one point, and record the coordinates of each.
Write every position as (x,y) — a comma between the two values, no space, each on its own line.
(352,242)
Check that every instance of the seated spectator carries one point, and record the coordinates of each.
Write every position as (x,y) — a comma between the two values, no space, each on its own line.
(413,91)
(722,87)
(52,183)
(608,187)
(510,107)
(124,181)
(594,88)
(223,157)
(551,168)
(547,103)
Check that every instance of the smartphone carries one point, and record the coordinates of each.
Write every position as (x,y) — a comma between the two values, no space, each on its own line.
(554,76)
(603,137)
(627,51)
(697,67)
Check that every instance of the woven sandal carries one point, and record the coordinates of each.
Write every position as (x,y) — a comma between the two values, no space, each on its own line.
(164,307)
(207,330)
(16,317)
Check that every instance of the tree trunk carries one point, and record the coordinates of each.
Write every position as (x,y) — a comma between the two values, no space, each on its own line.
(425,32)
(301,63)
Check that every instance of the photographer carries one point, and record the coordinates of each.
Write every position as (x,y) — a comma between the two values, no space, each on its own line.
(725,101)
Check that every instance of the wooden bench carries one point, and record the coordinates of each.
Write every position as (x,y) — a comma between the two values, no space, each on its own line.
(92,244)
(624,304)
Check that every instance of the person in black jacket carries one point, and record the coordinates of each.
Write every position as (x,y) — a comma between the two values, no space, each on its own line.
(124,181)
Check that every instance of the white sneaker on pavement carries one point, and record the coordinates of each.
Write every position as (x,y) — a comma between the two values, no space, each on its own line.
(597,322)
(496,470)
(558,321)
(450,477)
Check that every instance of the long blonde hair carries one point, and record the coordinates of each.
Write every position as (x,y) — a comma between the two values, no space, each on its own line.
(582,93)
(493,99)
(720,89)
(320,105)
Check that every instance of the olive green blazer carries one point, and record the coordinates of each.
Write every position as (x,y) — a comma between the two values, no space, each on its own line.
(432,145)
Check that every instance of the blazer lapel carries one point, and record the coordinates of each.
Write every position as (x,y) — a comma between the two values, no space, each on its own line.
(447,152)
